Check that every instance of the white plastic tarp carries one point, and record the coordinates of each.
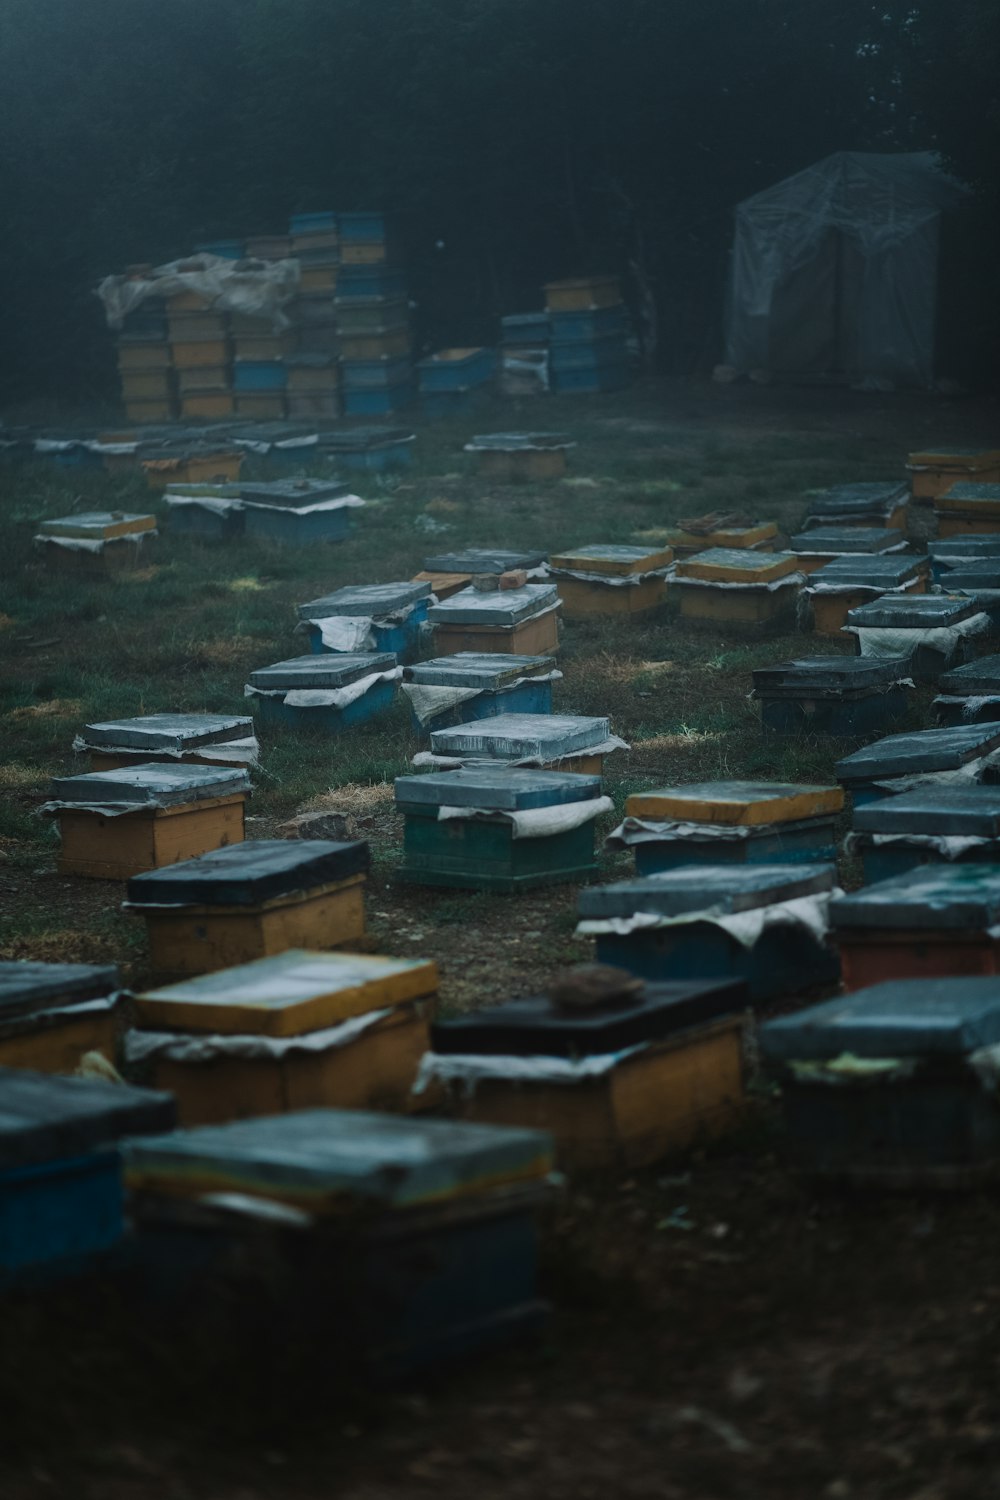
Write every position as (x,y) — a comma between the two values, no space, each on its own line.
(257,288)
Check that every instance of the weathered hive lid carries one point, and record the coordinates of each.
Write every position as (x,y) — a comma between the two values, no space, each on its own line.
(976,677)
(47,1118)
(912,612)
(827,674)
(26,988)
(975,573)
(487,671)
(153,784)
(500,788)
(976,544)
(754,534)
(737,565)
(927,750)
(534,1026)
(168,731)
(947,811)
(264,434)
(326,1159)
(334,669)
(931,897)
(291,494)
(520,736)
(617,562)
(98,526)
(364,599)
(833,539)
(249,873)
(288,994)
(505,607)
(744,803)
(867,572)
(723,889)
(900,1018)
(177,491)
(515,442)
(953,454)
(361,439)
(857,499)
(970,492)
(482,560)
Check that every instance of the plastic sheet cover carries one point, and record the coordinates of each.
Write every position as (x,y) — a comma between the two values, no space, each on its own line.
(258,289)
(834,270)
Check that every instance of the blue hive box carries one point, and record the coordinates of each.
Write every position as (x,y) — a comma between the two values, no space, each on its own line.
(893,1085)
(932,825)
(969,694)
(589,356)
(311,223)
(456,370)
(589,325)
(884,767)
(362,226)
(259,375)
(666,926)
(378,402)
(525,330)
(298,511)
(915,621)
(439,406)
(604,377)
(469,685)
(374,374)
(843,696)
(374,448)
(313,692)
(207,512)
(388,615)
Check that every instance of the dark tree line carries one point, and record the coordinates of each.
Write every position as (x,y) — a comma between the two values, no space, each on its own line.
(514,141)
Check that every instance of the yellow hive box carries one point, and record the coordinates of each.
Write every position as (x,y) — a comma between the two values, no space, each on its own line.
(830,611)
(583,292)
(935,470)
(521,463)
(581,597)
(106,848)
(204,352)
(537,636)
(616,562)
(655,1103)
(288,994)
(207,404)
(197,328)
(203,378)
(318,279)
(59,1046)
(263,346)
(193,468)
(146,385)
(710,605)
(262,406)
(145,411)
(730,565)
(187,302)
(759,537)
(364,252)
(152,356)
(444,584)
(952,524)
(745,804)
(392,345)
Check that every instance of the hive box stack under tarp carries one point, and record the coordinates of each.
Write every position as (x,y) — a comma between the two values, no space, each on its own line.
(588,328)
(726,586)
(61,1190)
(953,755)
(825,544)
(293,1031)
(729,822)
(878,504)
(653,1070)
(959,551)
(250,901)
(373,316)
(720,529)
(935,920)
(191,463)
(452,380)
(208,512)
(849,697)
(516,456)
(115,824)
(893,1086)
(414,1239)
(609,580)
(202,355)
(371,448)
(190,739)
(298,511)
(52,1015)
(840,586)
(145,368)
(764,924)
(969,694)
(524,354)
(520,622)
(97,541)
(934,471)
(330,692)
(490,828)
(929,632)
(934,825)
(971,509)
(368,617)
(450,690)
(564,742)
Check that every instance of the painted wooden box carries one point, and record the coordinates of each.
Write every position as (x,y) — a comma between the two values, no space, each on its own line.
(370,616)
(193,739)
(826,543)
(370,317)
(587,355)
(374,448)
(606,580)
(451,690)
(363,283)
(378,403)
(969,694)
(97,541)
(474,560)
(525,329)
(846,697)
(52,1015)
(592,380)
(519,622)
(763,924)
(251,375)
(498,829)
(298,511)
(207,512)
(582,294)
(862,504)
(848,582)
(330,693)
(250,901)
(588,325)
(930,632)
(297,1030)
(452,370)
(650,1074)
(955,551)
(935,471)
(932,825)
(732,586)
(518,456)
(893,1086)
(729,822)
(758,536)
(115,824)
(189,465)
(900,761)
(567,742)
(968,510)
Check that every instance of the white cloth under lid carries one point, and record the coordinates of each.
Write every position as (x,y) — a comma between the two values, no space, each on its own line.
(809,913)
(534,822)
(325,697)
(429,700)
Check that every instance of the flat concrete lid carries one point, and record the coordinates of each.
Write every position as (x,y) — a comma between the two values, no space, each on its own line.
(247,874)
(514,442)
(505,607)
(946,811)
(929,898)
(519,736)
(976,677)
(737,564)
(858,499)
(927,750)
(615,561)
(334,669)
(867,572)
(827,674)
(165,785)
(27,987)
(900,1018)
(974,491)
(482,560)
(708,888)
(912,612)
(499,788)
(976,544)
(477,669)
(365,599)
(168,731)
(833,539)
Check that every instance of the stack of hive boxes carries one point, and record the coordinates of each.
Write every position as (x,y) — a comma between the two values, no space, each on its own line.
(259,372)
(313,378)
(373,319)
(589,326)
(201,353)
(144,364)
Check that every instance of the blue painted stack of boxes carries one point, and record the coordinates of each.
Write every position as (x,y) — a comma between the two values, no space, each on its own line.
(373,319)
(589,331)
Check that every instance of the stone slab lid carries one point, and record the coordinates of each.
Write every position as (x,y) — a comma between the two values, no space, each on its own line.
(154,783)
(827,675)
(912,612)
(503,608)
(168,731)
(516,442)
(722,889)
(617,562)
(858,499)
(500,788)
(867,571)
(975,544)
(736,802)
(900,1018)
(365,599)
(930,898)
(737,565)
(334,669)
(983,496)
(948,811)
(832,539)
(46,1118)
(519,736)
(27,987)
(981,676)
(486,670)
(250,873)
(482,560)
(944,749)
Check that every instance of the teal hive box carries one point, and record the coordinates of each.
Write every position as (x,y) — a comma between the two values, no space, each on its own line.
(324,692)
(374,448)
(892,1086)
(381,402)
(936,825)
(846,697)
(374,616)
(803,841)
(900,761)
(703,924)
(931,631)
(207,512)
(456,370)
(452,690)
(494,829)
(299,511)
(955,551)
(969,694)
(586,326)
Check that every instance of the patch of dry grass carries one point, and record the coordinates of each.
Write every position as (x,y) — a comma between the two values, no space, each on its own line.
(352,798)
(14,777)
(55,708)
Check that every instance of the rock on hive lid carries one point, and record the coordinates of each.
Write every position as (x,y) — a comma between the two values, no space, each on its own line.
(617,562)
(521,736)
(976,677)
(162,785)
(928,898)
(168,731)
(29,987)
(827,674)
(833,539)
(900,1018)
(330,670)
(946,811)
(505,607)
(499,788)
(249,873)
(482,560)
(736,802)
(725,889)
(858,499)
(288,994)
(98,526)
(927,750)
(912,612)
(533,1026)
(486,670)
(737,565)
(46,1118)
(365,599)
(322,1158)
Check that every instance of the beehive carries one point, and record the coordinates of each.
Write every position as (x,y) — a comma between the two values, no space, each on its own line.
(569,742)
(891,764)
(730,586)
(372,616)
(520,622)
(329,692)
(848,697)
(932,825)
(451,690)
(194,739)
(52,1015)
(601,580)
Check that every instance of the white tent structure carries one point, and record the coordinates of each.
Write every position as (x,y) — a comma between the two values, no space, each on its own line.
(834,271)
